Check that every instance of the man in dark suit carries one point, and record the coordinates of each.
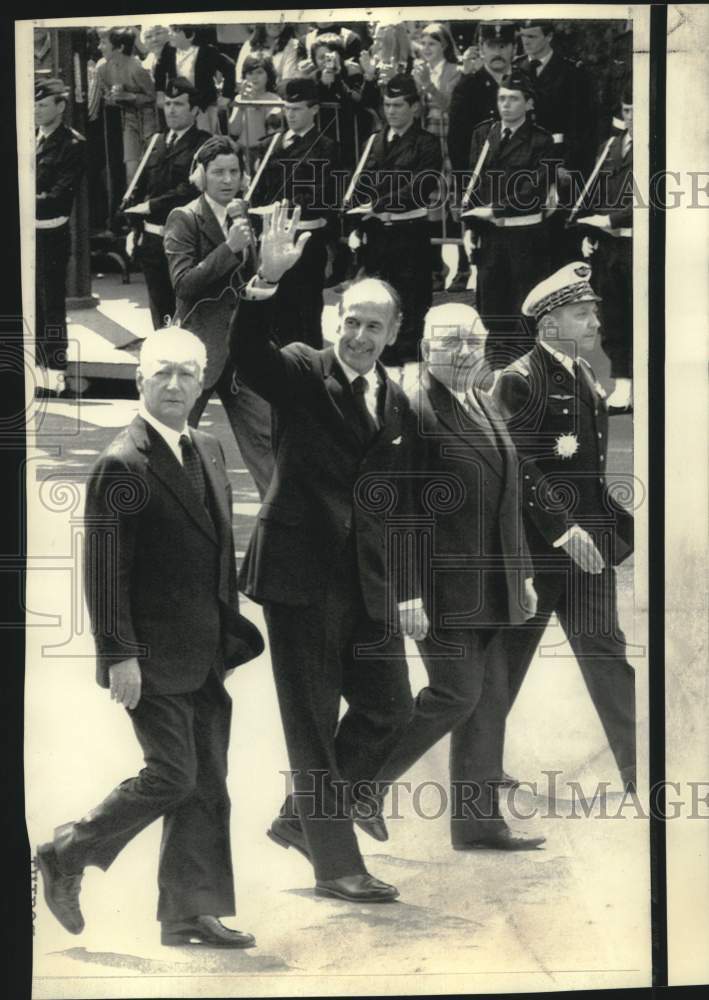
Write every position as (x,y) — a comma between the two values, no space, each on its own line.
(476,581)
(399,177)
(206,245)
(61,160)
(161,591)
(300,169)
(610,241)
(513,157)
(201,65)
(321,559)
(577,531)
(163,185)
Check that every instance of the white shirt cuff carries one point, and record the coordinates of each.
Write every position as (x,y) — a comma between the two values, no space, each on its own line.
(256,292)
(412,605)
(564,538)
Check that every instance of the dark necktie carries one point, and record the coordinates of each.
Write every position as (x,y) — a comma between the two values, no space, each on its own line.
(534,65)
(192,465)
(394,139)
(506,136)
(366,420)
(170,141)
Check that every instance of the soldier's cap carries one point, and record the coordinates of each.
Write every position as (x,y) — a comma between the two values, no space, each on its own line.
(569,284)
(497,31)
(546,26)
(179,86)
(517,79)
(54,87)
(402,86)
(296,89)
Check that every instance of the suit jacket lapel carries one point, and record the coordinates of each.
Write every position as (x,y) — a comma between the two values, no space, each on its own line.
(163,464)
(179,144)
(338,389)
(390,411)
(515,140)
(208,222)
(454,416)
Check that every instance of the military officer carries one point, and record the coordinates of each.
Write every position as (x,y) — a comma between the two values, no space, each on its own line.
(514,160)
(61,159)
(163,185)
(300,169)
(564,102)
(399,177)
(576,530)
(611,243)
(473,101)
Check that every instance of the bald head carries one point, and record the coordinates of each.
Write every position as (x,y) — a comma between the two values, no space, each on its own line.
(172,344)
(453,345)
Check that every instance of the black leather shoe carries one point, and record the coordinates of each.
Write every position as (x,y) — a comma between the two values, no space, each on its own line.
(368,817)
(503,840)
(357,889)
(288,833)
(60,891)
(204,932)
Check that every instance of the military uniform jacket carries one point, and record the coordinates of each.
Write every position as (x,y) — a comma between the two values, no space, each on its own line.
(390,179)
(479,554)
(559,423)
(302,173)
(474,100)
(61,160)
(615,187)
(501,184)
(331,488)
(566,106)
(164,182)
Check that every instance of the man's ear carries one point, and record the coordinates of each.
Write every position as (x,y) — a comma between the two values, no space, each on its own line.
(425,349)
(394,332)
(139,379)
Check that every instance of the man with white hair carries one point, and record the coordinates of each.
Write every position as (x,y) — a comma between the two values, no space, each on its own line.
(477,580)
(161,592)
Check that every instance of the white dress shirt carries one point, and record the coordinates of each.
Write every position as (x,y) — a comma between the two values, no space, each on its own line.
(173,135)
(372,380)
(170,437)
(185,60)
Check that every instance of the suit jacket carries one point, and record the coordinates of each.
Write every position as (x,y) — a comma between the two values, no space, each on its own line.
(615,188)
(559,423)
(565,104)
(164,182)
(473,101)
(160,574)
(206,276)
(209,61)
(390,179)
(302,173)
(503,182)
(326,492)
(480,557)
(61,160)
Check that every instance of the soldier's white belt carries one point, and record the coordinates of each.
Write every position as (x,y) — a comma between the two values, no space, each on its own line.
(388,217)
(311,224)
(51,223)
(557,137)
(620,232)
(519,220)
(151,227)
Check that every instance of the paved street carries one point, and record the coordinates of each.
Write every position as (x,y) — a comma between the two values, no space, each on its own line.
(575,914)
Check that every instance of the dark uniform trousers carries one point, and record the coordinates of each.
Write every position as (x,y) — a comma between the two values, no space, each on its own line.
(613,277)
(184,738)
(585,605)
(511,261)
(314,656)
(153,262)
(399,252)
(53,249)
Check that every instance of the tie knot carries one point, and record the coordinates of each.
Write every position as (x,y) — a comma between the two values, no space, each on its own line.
(359,385)
(535,64)
(185,441)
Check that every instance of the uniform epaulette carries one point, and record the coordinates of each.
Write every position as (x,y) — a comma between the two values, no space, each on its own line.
(519,367)
(486,122)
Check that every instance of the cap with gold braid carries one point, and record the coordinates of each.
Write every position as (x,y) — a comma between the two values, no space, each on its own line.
(53,87)
(569,284)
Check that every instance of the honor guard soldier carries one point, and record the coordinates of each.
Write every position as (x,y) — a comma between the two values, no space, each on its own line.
(577,531)
(399,178)
(611,244)
(474,100)
(512,161)
(163,185)
(564,101)
(300,169)
(61,159)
